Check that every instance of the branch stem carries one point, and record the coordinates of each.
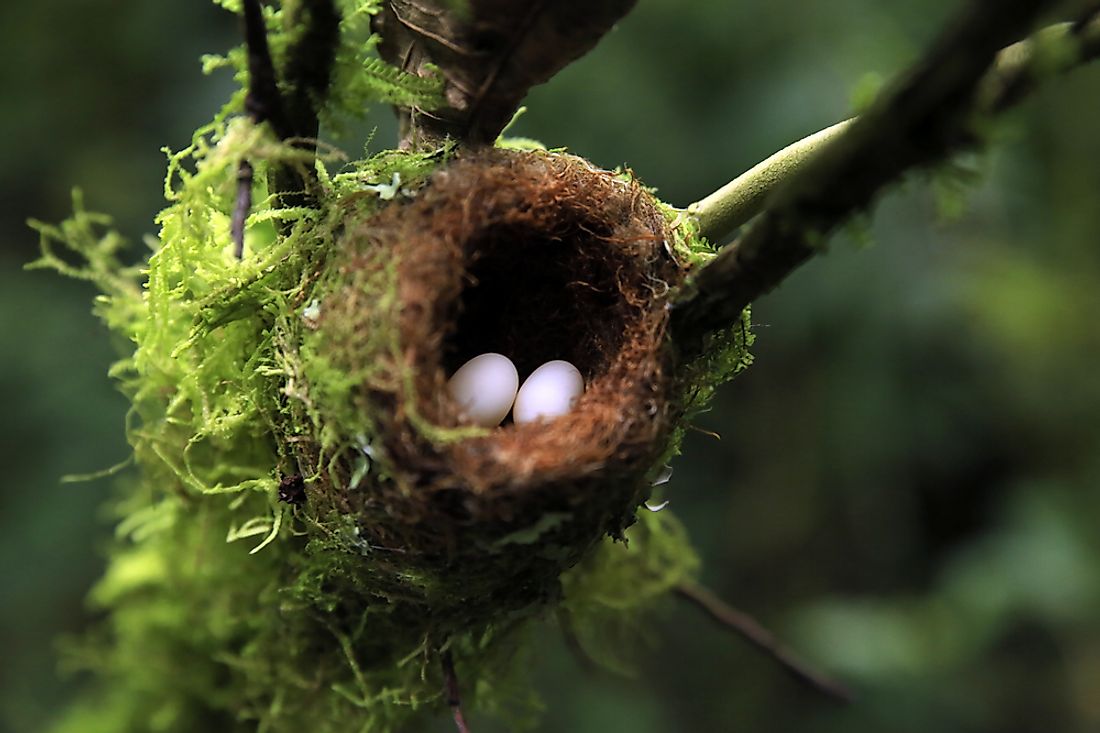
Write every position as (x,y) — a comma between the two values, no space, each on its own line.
(264,102)
(744,197)
(1013,75)
(292,117)
(241,207)
(930,112)
(450,691)
(750,629)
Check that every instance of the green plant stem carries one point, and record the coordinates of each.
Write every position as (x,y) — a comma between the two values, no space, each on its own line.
(744,197)
(937,108)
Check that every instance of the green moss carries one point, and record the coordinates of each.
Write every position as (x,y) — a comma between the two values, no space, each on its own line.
(226,609)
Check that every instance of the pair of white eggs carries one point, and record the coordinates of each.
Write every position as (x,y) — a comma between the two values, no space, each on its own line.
(487,387)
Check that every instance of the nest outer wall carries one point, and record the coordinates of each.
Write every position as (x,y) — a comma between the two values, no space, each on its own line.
(538,256)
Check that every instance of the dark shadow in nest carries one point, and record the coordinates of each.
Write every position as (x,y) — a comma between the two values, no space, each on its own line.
(537,256)
(534,299)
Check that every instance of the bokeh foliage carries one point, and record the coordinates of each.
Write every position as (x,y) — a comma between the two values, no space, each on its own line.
(906,485)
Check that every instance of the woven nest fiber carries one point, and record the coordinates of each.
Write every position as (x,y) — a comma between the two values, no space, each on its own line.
(538,256)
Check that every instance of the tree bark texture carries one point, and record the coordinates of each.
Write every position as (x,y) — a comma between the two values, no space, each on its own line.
(490,53)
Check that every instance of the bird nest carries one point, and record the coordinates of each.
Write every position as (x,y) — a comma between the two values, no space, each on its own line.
(538,256)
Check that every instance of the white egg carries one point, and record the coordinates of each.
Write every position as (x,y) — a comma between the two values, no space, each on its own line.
(550,391)
(485,387)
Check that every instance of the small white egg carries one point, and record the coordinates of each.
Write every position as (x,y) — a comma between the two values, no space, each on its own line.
(485,387)
(550,391)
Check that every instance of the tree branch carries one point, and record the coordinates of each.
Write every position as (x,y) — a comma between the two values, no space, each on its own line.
(262,103)
(931,111)
(1014,74)
(489,55)
(450,691)
(744,197)
(1022,66)
(308,69)
(748,628)
(308,72)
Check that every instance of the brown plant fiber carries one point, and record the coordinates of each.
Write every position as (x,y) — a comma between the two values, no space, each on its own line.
(537,256)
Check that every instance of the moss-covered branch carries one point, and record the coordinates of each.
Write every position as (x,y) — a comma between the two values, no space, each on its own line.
(935,109)
(1016,71)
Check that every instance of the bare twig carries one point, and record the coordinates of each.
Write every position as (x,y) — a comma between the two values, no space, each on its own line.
(263,103)
(241,207)
(450,691)
(745,196)
(308,72)
(930,112)
(748,628)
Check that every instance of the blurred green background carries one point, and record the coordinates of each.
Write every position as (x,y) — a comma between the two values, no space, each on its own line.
(906,484)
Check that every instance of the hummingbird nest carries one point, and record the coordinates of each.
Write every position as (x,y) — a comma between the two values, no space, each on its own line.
(538,256)
(315,524)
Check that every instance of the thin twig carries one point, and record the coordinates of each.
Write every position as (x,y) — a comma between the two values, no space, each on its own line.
(263,103)
(450,691)
(242,206)
(748,628)
(929,113)
(294,118)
